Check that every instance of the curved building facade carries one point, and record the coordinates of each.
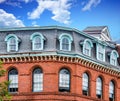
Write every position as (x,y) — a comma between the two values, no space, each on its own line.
(54,63)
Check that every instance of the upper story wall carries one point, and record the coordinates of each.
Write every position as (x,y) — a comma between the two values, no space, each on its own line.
(52,43)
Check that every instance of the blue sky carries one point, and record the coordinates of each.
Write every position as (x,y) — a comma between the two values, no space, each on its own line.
(71,13)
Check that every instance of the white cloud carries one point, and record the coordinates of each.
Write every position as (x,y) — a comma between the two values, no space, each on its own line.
(9,20)
(90,4)
(1,1)
(59,8)
(34,23)
(14,4)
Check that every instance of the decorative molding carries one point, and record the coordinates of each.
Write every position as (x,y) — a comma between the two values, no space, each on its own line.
(57,58)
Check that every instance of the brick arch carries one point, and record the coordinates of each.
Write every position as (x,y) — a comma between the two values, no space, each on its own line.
(114,81)
(12,67)
(102,77)
(65,67)
(35,66)
(88,72)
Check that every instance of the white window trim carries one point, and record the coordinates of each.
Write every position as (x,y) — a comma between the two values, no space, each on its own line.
(112,89)
(33,43)
(64,82)
(40,81)
(7,39)
(97,52)
(70,39)
(99,85)
(84,81)
(32,38)
(91,45)
(111,54)
(14,80)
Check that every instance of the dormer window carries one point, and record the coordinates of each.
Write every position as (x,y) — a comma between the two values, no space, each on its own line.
(65,42)
(12,43)
(113,57)
(37,41)
(87,45)
(100,52)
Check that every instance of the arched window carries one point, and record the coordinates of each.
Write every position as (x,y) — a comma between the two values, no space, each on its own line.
(12,42)
(111,91)
(37,41)
(64,80)
(85,84)
(99,87)
(113,57)
(87,45)
(37,80)
(13,78)
(65,42)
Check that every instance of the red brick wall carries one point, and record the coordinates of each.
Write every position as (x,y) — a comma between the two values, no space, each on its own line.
(50,83)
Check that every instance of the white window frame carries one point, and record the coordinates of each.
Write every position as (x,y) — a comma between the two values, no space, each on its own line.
(87,46)
(111,91)
(100,52)
(85,83)
(113,57)
(69,38)
(33,37)
(37,80)
(8,40)
(13,78)
(64,80)
(99,84)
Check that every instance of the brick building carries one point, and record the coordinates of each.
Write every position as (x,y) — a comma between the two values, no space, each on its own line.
(55,63)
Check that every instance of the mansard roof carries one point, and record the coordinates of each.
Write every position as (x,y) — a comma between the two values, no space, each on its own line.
(51,45)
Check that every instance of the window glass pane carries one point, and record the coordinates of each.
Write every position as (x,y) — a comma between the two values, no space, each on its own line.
(113,58)
(87,51)
(99,86)
(12,44)
(64,80)
(87,48)
(37,42)
(85,84)
(111,90)
(13,77)
(101,52)
(65,44)
(37,80)
(100,55)
(113,61)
